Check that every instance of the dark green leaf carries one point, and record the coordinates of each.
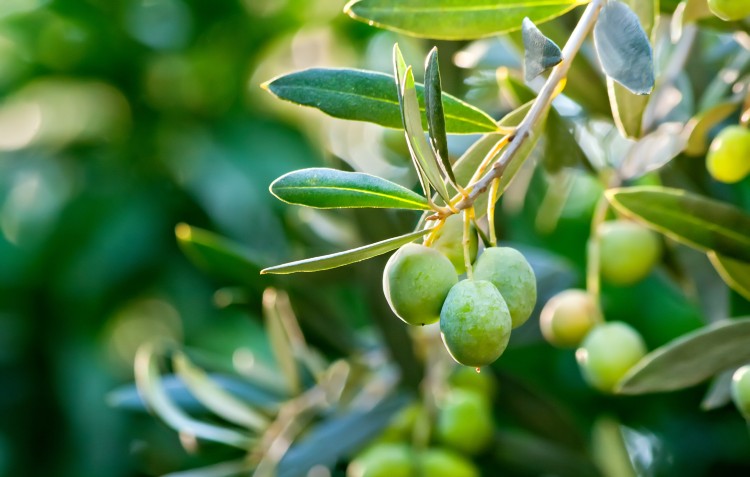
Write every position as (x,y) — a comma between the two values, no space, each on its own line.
(340,259)
(532,455)
(421,152)
(456,20)
(735,273)
(369,96)
(541,53)
(217,254)
(330,188)
(690,359)
(435,115)
(623,48)
(702,223)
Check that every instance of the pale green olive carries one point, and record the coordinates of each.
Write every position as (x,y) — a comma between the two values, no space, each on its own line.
(741,390)
(383,460)
(508,270)
(475,323)
(416,281)
(608,353)
(629,251)
(567,318)
(437,462)
(730,9)
(449,242)
(465,422)
(728,158)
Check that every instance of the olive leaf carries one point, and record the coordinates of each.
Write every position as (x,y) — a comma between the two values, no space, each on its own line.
(735,273)
(435,115)
(541,53)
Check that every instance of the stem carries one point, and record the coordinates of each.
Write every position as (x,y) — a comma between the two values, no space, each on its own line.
(491,211)
(541,104)
(593,252)
(466,241)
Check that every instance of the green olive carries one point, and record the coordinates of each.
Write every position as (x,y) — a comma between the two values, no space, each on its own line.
(475,323)
(629,251)
(437,462)
(465,422)
(508,270)
(608,352)
(728,158)
(402,425)
(383,460)
(416,281)
(449,242)
(741,390)
(729,9)
(567,318)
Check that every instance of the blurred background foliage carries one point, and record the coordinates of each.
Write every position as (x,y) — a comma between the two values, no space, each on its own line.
(120,119)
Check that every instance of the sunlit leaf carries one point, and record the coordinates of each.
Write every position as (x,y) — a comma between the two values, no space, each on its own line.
(705,224)
(623,48)
(540,53)
(421,152)
(280,343)
(702,124)
(340,259)
(654,150)
(330,188)
(369,96)
(216,399)
(456,20)
(514,118)
(735,273)
(435,115)
(150,386)
(690,359)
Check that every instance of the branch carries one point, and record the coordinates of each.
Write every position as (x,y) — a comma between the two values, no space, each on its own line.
(541,105)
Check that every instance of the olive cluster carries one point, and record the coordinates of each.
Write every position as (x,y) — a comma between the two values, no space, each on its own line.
(476,314)
(460,427)
(573,319)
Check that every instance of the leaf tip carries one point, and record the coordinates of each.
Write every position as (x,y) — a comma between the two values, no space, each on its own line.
(349,8)
(183,232)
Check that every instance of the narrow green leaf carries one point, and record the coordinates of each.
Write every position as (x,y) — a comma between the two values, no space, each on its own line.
(340,259)
(515,117)
(690,359)
(281,345)
(149,383)
(719,391)
(453,19)
(623,48)
(627,109)
(701,223)
(735,273)
(420,149)
(216,399)
(435,115)
(540,53)
(369,96)
(217,254)
(330,188)
(702,124)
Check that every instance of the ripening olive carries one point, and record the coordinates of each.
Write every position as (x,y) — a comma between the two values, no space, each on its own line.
(437,462)
(416,281)
(383,460)
(508,270)
(608,352)
(475,323)
(449,242)
(629,251)
(741,390)
(729,9)
(464,421)
(567,318)
(728,158)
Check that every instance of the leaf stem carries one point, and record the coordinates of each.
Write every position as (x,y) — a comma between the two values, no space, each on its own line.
(541,104)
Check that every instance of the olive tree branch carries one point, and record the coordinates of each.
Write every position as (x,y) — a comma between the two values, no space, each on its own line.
(540,107)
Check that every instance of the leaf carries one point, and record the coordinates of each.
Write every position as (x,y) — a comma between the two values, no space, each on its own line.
(690,359)
(435,115)
(150,386)
(421,152)
(735,273)
(623,48)
(369,96)
(654,150)
(702,223)
(719,392)
(456,20)
(627,109)
(216,399)
(532,455)
(702,124)
(515,117)
(218,254)
(330,188)
(340,259)
(541,53)
(280,342)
